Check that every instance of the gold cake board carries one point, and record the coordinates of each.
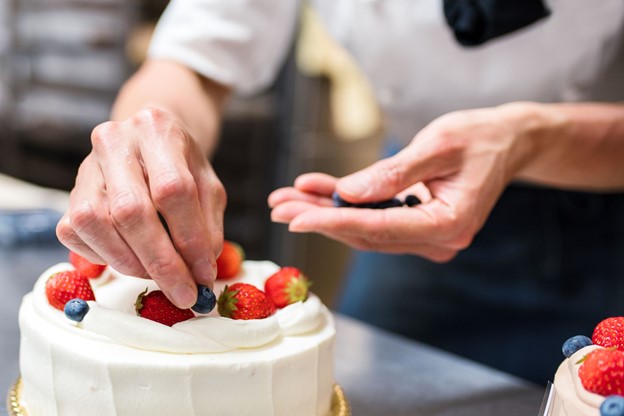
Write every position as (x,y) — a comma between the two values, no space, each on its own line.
(339,405)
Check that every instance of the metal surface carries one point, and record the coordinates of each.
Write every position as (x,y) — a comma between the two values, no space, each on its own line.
(380,373)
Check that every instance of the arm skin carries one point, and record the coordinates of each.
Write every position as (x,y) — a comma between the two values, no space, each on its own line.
(459,165)
(150,159)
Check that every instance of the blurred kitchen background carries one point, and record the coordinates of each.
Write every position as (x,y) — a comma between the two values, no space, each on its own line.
(62,62)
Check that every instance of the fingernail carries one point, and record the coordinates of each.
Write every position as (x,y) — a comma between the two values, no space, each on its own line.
(184,296)
(356,185)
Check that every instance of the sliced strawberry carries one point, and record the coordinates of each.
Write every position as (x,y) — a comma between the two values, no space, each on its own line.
(84,266)
(288,285)
(64,286)
(156,307)
(244,301)
(230,261)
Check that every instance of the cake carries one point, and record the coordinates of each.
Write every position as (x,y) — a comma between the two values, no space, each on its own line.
(590,380)
(115,363)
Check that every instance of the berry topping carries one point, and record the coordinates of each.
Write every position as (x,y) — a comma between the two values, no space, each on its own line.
(602,372)
(286,286)
(612,406)
(574,344)
(156,307)
(230,261)
(84,266)
(64,286)
(412,200)
(206,300)
(244,301)
(610,333)
(76,309)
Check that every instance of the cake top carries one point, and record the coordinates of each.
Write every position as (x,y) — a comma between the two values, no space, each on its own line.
(594,369)
(258,302)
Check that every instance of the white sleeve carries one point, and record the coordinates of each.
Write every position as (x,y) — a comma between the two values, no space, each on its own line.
(238,43)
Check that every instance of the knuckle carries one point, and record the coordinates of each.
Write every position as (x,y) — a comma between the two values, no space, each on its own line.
(65,233)
(172,187)
(189,243)
(393,172)
(150,117)
(128,266)
(102,132)
(127,209)
(163,268)
(83,217)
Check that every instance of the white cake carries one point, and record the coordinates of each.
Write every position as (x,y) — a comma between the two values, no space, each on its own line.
(115,363)
(571,397)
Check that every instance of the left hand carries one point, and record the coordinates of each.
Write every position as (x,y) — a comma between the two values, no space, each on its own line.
(458,165)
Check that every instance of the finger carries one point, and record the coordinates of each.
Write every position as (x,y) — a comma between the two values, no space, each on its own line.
(386,178)
(70,239)
(430,252)
(212,199)
(316,183)
(430,223)
(283,195)
(136,219)
(88,218)
(173,190)
(286,211)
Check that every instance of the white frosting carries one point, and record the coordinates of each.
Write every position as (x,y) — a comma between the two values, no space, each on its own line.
(571,398)
(115,363)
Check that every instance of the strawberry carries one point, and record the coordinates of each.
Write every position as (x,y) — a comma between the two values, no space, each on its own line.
(602,372)
(288,285)
(84,266)
(64,286)
(156,307)
(610,333)
(244,301)
(230,261)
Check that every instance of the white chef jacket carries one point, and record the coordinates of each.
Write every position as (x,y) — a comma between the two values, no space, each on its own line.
(416,67)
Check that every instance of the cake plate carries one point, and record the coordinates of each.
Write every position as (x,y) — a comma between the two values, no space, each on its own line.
(339,404)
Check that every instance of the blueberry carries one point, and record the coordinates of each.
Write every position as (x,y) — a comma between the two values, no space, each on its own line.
(390,203)
(339,202)
(612,406)
(574,344)
(412,200)
(206,300)
(76,309)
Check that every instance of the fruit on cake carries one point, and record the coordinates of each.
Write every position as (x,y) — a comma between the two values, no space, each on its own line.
(96,342)
(590,381)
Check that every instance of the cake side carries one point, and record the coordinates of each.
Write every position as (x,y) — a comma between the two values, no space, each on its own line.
(284,366)
(571,397)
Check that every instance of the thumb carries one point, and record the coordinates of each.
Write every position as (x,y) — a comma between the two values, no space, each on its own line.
(383,179)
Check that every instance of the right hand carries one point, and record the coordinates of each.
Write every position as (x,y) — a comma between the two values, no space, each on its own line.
(139,167)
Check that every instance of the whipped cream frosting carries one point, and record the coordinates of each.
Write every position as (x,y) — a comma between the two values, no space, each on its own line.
(571,397)
(113,316)
(117,363)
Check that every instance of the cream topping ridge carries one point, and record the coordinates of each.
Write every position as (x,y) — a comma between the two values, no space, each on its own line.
(112,316)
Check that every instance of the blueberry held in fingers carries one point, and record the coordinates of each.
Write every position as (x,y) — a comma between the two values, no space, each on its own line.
(412,200)
(206,300)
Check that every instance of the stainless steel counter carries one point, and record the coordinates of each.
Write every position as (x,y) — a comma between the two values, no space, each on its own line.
(381,374)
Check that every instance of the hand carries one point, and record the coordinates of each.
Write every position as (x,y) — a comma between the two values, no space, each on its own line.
(458,165)
(138,168)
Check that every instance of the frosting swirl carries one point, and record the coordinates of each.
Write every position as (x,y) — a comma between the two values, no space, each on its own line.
(112,316)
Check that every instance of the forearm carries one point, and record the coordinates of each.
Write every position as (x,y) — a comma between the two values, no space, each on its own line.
(573,145)
(197,102)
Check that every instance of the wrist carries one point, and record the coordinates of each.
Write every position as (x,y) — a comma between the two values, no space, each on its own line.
(535,127)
